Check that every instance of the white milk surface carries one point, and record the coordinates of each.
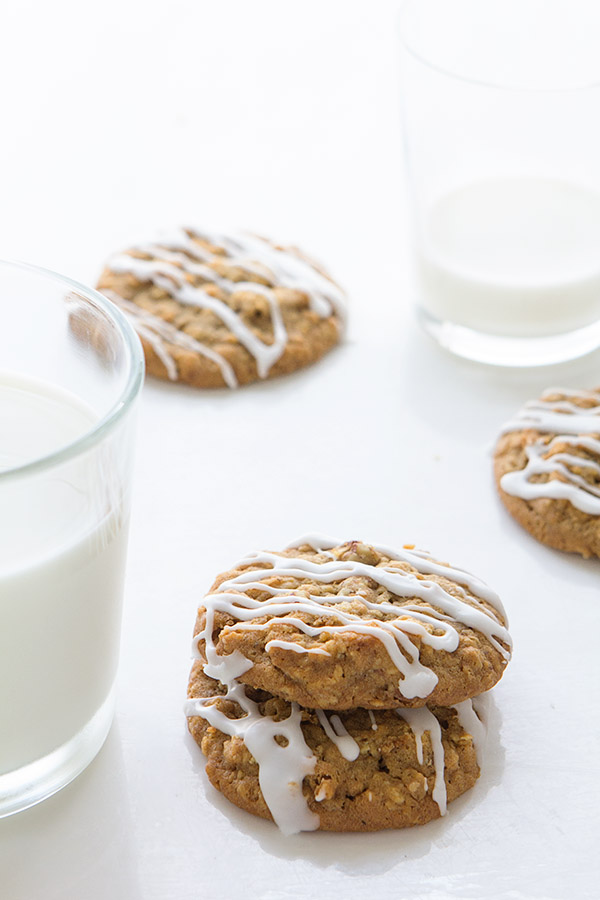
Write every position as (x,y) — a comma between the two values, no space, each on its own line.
(62,558)
(513,256)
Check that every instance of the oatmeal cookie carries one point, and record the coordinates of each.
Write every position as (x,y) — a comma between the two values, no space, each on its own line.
(547,469)
(340,626)
(309,769)
(216,310)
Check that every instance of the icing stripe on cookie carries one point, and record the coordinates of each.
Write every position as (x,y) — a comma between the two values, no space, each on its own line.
(295,648)
(338,735)
(560,422)
(472,724)
(281,767)
(420,721)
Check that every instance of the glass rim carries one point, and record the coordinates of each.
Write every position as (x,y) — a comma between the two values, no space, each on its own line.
(126,397)
(420,57)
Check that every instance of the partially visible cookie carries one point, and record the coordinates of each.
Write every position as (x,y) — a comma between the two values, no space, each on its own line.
(340,626)
(547,469)
(216,310)
(308,769)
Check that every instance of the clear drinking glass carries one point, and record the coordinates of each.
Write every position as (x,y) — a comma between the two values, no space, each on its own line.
(71,368)
(501,102)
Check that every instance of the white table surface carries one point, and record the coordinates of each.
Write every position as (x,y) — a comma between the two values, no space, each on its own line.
(123,117)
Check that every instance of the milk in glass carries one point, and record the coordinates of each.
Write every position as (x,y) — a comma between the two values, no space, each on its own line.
(514,257)
(62,555)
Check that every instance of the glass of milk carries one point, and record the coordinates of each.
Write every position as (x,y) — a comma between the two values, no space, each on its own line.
(70,371)
(501,112)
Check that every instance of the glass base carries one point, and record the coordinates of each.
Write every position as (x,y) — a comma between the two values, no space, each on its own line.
(497,350)
(35,782)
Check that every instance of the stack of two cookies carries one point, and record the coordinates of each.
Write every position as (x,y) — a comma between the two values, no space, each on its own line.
(333,682)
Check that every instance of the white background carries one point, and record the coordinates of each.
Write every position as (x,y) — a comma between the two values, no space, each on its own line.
(120,118)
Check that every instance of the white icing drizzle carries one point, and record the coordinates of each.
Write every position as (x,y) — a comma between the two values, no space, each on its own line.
(420,721)
(176,257)
(472,724)
(568,424)
(318,542)
(281,769)
(296,648)
(420,560)
(338,735)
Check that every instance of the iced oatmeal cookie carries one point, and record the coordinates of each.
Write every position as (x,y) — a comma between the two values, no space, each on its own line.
(339,626)
(216,310)
(308,769)
(547,469)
